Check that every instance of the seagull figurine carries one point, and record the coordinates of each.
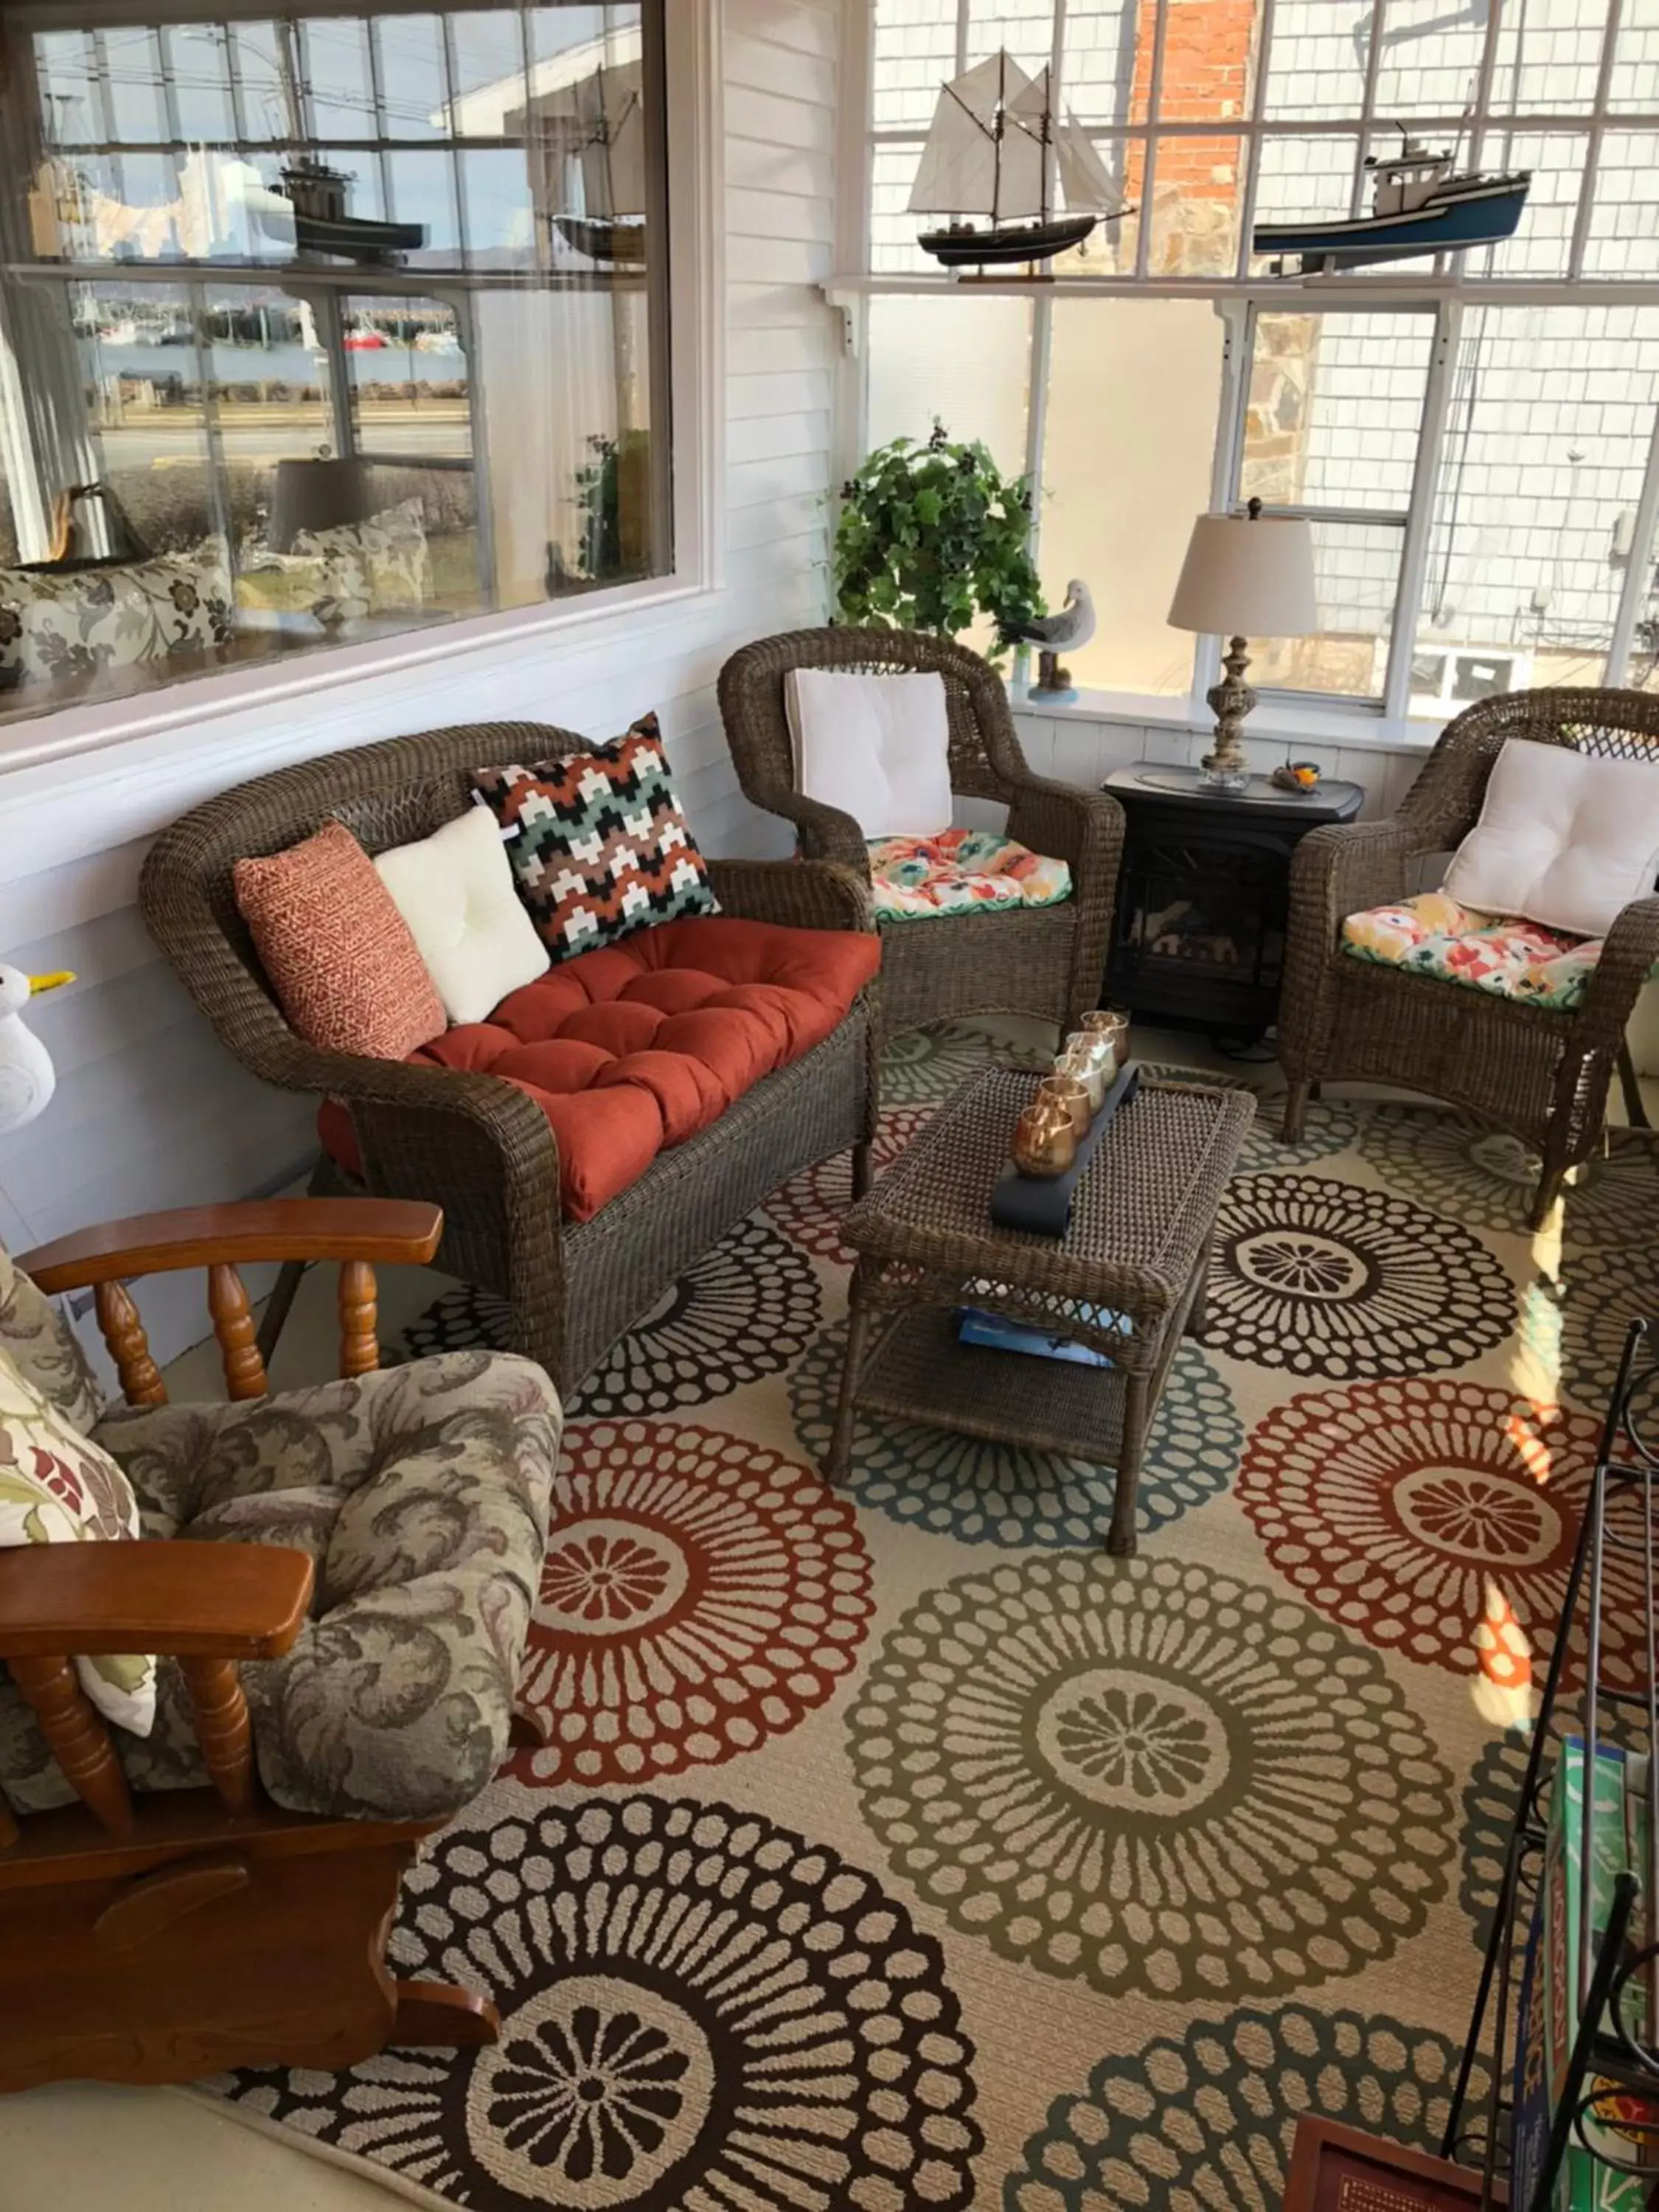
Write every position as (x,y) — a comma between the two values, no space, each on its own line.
(1053,635)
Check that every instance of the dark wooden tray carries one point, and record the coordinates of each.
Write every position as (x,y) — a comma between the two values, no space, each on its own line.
(1042,1204)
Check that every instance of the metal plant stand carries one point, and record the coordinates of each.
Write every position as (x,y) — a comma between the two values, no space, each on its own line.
(1608,2057)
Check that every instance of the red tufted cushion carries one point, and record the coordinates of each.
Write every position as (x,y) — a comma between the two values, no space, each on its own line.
(643,1043)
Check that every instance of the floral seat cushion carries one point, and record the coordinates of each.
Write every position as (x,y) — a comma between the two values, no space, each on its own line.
(421,1494)
(1512,958)
(960,872)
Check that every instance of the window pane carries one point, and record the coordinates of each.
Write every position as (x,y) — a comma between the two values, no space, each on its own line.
(1108,65)
(1335,409)
(1431,58)
(1551,415)
(201,81)
(1025,28)
(1356,579)
(1195,207)
(892,226)
(1317,66)
(914,51)
(1636,58)
(1133,398)
(1208,61)
(363,433)
(1624,231)
(966,360)
(1547,63)
(1304,176)
(1541,244)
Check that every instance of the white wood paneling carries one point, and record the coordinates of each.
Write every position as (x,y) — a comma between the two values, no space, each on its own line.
(150,1111)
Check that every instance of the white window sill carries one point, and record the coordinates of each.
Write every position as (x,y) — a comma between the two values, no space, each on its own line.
(1317,723)
(66,731)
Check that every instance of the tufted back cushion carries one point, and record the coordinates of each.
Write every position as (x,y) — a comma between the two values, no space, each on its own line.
(43,1346)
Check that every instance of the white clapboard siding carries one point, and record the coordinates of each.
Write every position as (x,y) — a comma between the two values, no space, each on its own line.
(150,1111)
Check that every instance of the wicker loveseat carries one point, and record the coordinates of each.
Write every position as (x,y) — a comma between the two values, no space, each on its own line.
(1538,1071)
(1047,961)
(473,1143)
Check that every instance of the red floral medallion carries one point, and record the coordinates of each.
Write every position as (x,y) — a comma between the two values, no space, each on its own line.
(700,1595)
(1436,1518)
(809,1207)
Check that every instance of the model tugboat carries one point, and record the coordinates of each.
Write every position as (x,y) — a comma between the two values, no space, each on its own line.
(988,154)
(317,196)
(1420,203)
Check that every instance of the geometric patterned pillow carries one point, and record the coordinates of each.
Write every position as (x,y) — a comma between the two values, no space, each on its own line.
(598,843)
(56,1487)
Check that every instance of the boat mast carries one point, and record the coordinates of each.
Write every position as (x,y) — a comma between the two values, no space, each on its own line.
(1002,124)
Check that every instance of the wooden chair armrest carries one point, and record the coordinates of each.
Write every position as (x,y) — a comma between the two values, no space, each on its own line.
(383,1228)
(185,1601)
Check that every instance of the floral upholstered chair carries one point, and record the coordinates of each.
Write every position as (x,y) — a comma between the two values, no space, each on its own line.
(369,1551)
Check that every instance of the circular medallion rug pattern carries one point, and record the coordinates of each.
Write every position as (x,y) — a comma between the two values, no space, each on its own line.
(698,2009)
(892,1848)
(1321,1277)
(699,1594)
(1487,1178)
(1438,1518)
(983,1492)
(1150,1776)
(1208,2119)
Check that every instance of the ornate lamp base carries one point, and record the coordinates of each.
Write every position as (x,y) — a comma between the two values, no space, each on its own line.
(1224,767)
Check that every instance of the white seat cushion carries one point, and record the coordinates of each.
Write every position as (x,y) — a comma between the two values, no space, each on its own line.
(455,891)
(877,747)
(1564,838)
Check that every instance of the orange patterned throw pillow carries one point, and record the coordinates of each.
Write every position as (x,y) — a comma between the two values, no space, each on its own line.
(340,957)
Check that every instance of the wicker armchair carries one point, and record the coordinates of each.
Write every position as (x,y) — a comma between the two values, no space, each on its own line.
(472,1143)
(1035,960)
(1534,1070)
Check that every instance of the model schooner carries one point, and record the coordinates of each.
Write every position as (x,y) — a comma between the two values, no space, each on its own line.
(992,151)
(610,121)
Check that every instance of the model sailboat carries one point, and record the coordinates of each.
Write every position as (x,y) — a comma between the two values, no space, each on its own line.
(610,123)
(994,152)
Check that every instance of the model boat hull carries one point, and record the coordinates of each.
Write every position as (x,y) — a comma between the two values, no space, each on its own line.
(1025,241)
(603,240)
(1481,217)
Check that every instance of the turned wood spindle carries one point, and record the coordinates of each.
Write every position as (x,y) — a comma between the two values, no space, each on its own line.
(129,1347)
(233,1324)
(9,1831)
(80,1741)
(360,1342)
(223,1730)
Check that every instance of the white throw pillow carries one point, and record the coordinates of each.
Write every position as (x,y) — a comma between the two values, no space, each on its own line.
(455,891)
(1564,838)
(876,747)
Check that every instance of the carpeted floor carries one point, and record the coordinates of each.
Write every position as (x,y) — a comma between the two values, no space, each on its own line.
(896,1848)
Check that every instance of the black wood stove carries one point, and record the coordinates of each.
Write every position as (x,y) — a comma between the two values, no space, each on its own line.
(1203,893)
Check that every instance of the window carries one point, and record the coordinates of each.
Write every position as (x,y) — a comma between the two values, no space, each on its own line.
(1473,436)
(345,320)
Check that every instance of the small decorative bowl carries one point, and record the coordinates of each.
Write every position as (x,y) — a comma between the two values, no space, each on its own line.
(1296,776)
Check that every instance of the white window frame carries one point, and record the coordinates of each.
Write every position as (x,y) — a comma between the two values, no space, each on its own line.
(695,411)
(1443,290)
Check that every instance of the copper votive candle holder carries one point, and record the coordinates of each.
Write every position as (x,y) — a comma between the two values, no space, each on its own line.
(1072,1093)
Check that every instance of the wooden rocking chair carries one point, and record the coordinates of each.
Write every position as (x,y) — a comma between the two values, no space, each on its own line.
(156,1934)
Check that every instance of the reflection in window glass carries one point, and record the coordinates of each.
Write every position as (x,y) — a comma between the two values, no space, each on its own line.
(1558,403)
(326,421)
(1122,481)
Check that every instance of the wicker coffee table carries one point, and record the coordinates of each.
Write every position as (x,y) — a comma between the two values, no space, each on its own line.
(1139,1245)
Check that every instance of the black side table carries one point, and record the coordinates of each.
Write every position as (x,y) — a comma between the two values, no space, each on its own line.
(1203,893)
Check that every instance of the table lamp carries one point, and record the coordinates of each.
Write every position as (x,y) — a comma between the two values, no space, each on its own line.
(317,494)
(1243,577)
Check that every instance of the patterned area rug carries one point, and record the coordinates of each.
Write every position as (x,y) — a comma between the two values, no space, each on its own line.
(895,1849)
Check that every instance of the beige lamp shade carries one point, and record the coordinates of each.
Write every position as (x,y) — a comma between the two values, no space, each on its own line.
(318,494)
(1247,578)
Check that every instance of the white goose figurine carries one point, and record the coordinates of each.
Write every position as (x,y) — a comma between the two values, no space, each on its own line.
(27,1078)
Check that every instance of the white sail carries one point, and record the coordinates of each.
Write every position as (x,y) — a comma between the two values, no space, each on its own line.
(1024,188)
(1084,180)
(957,175)
(610,122)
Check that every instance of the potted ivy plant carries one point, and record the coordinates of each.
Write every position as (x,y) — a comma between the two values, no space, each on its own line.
(931,536)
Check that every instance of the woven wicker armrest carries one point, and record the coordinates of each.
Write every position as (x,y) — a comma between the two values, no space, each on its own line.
(825,833)
(1629,953)
(1083,827)
(1344,867)
(802,894)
